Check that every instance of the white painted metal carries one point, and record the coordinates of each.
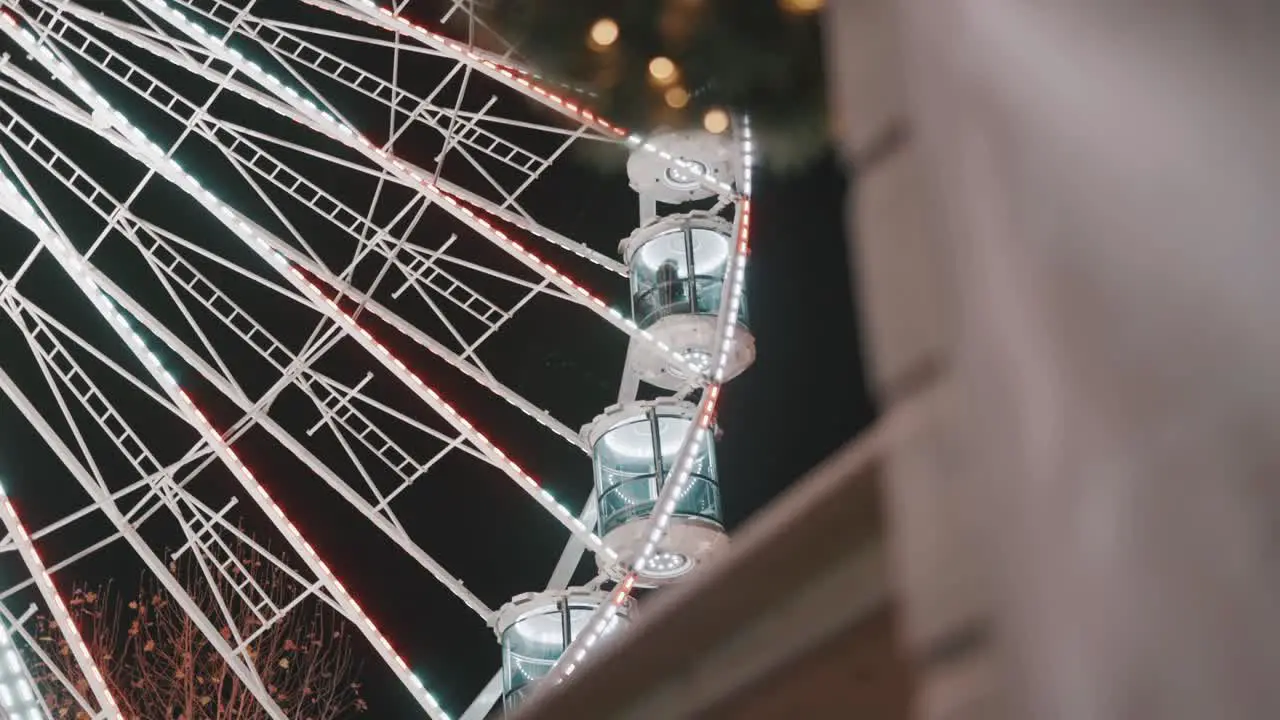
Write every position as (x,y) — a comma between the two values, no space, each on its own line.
(298,273)
(84,661)
(245,673)
(16,627)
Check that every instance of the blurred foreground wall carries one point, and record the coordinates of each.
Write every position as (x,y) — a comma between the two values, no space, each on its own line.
(1066,223)
(1070,206)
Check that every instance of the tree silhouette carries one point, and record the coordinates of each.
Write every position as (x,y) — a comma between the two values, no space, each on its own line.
(158,665)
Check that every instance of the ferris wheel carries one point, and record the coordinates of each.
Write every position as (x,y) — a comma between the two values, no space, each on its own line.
(258,251)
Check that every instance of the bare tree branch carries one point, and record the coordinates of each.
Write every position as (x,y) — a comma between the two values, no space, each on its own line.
(159,665)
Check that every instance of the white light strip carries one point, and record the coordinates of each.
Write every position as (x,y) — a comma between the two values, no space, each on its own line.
(257,240)
(394,22)
(678,479)
(78,270)
(44,583)
(409,174)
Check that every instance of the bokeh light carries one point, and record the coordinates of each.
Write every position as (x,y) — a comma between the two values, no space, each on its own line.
(604,32)
(801,7)
(715,121)
(662,69)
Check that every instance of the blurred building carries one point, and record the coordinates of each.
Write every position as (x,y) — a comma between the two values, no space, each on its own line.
(1065,237)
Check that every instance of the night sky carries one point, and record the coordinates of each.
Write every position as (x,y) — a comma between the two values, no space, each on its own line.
(803,397)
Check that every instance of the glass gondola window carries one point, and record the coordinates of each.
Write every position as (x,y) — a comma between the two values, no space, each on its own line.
(678,268)
(633,457)
(537,630)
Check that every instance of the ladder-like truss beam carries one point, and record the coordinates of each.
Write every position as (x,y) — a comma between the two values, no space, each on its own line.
(109,509)
(80,273)
(61,617)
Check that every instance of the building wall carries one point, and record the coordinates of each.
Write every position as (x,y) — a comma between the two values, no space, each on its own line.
(1074,225)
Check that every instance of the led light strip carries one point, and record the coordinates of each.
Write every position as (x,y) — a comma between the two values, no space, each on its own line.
(97,683)
(410,175)
(677,481)
(706,412)
(582,114)
(68,175)
(257,240)
(255,28)
(532,485)
(77,269)
(585,92)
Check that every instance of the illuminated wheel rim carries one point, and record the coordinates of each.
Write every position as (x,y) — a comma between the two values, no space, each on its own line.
(269,268)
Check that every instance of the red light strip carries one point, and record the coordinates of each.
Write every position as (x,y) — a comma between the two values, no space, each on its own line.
(577,651)
(31,557)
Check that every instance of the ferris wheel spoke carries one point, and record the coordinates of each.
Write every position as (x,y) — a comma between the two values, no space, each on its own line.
(516,79)
(462,132)
(36,92)
(109,509)
(287,439)
(416,386)
(356,38)
(372,238)
(242,670)
(183,470)
(74,264)
(62,618)
(162,274)
(448,286)
(387,451)
(420,109)
(290,106)
(16,627)
(54,359)
(161,254)
(435,280)
(136,514)
(51,379)
(407,173)
(145,235)
(371,13)
(233,140)
(411,331)
(210,544)
(38,328)
(425,259)
(215,521)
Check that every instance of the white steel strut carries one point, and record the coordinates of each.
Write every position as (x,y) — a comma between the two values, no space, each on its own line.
(97,683)
(256,159)
(284,100)
(323,393)
(299,274)
(264,244)
(75,267)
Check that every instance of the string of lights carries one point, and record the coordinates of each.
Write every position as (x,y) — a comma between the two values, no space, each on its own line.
(78,269)
(16,694)
(305,110)
(709,375)
(265,246)
(678,478)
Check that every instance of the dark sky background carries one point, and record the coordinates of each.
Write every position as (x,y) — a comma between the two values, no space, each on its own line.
(803,397)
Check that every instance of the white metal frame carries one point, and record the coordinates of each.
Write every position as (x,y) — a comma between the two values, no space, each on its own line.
(58,35)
